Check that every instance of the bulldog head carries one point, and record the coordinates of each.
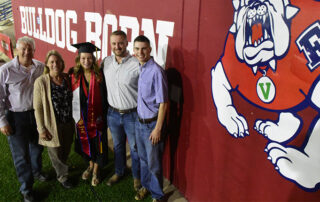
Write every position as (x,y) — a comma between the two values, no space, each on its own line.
(262,31)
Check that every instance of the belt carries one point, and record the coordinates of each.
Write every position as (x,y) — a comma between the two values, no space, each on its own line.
(146,121)
(23,112)
(123,111)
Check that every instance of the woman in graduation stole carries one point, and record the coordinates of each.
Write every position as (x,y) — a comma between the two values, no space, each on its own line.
(88,111)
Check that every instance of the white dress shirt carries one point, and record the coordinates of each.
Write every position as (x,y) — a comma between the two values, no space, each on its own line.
(121,81)
(16,87)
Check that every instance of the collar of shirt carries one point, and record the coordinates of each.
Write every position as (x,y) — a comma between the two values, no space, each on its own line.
(123,59)
(21,67)
(149,62)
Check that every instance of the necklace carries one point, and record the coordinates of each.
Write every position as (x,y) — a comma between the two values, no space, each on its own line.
(266,90)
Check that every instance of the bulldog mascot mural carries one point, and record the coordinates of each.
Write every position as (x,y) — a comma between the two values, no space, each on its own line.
(272,59)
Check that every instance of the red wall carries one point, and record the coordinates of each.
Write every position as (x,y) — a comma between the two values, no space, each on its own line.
(201,158)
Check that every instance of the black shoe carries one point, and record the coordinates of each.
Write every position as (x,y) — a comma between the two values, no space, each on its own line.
(41,177)
(28,197)
(66,184)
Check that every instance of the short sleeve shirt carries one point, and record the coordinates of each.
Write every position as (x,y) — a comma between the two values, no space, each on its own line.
(152,89)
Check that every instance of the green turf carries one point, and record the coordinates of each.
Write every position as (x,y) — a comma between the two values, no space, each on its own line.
(53,191)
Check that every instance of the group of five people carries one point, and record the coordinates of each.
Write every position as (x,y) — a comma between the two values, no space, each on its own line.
(40,105)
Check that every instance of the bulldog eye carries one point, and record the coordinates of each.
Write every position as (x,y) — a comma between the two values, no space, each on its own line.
(262,9)
(252,12)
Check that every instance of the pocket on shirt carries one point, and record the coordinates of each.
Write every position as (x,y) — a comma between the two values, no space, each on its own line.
(131,78)
(146,89)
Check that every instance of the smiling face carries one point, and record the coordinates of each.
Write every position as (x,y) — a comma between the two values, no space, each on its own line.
(142,51)
(262,32)
(118,45)
(25,53)
(86,60)
(55,65)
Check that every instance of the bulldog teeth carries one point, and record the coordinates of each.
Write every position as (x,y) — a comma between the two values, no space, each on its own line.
(250,22)
(250,42)
(254,69)
(236,4)
(291,11)
(255,43)
(273,64)
(266,34)
(264,18)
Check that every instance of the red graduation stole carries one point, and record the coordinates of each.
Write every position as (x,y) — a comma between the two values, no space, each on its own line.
(94,125)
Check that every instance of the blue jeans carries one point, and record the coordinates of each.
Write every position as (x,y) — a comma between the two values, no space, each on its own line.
(150,159)
(25,150)
(122,125)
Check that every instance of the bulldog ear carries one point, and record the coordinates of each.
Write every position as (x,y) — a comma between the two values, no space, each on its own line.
(236,4)
(291,11)
(233,28)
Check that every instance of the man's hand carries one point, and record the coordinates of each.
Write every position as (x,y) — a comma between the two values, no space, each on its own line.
(46,136)
(6,130)
(155,136)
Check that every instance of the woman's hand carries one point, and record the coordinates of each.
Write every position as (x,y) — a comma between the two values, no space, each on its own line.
(46,136)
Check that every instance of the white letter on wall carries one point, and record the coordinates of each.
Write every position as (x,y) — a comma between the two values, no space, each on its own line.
(35,30)
(71,14)
(50,14)
(148,30)
(93,36)
(109,19)
(60,43)
(164,29)
(29,20)
(132,23)
(23,19)
(43,35)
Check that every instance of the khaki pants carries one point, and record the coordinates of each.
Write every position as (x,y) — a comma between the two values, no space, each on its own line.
(59,155)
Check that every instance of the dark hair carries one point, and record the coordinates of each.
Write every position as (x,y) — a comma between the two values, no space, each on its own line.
(142,38)
(119,33)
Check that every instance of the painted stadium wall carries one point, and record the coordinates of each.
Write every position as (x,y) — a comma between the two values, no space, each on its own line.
(243,79)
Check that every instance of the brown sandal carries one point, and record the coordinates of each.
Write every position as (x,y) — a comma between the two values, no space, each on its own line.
(87,173)
(95,179)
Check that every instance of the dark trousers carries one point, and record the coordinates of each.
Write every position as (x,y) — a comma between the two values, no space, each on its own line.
(25,150)
(59,155)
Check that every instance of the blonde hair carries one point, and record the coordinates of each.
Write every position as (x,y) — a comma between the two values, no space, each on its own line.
(57,54)
(78,69)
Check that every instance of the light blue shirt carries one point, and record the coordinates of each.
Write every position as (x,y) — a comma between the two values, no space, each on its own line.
(152,89)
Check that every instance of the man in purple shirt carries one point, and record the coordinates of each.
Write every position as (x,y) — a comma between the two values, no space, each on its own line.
(17,120)
(152,105)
